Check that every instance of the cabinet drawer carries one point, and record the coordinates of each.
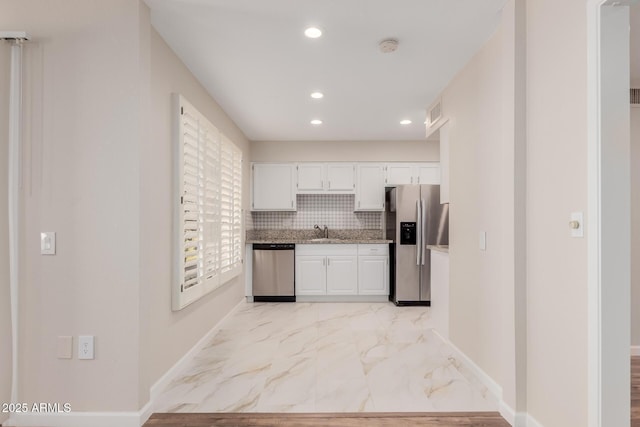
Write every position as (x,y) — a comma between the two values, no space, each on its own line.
(327,249)
(373,249)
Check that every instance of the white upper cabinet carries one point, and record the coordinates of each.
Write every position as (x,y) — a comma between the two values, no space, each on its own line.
(316,178)
(341,177)
(370,187)
(311,177)
(400,173)
(428,173)
(412,173)
(273,187)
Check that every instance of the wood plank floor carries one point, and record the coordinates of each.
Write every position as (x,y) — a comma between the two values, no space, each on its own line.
(635,391)
(477,419)
(369,419)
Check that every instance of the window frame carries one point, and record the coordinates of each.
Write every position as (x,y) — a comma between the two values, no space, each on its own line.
(202,165)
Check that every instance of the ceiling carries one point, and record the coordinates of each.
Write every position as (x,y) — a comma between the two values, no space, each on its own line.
(253,58)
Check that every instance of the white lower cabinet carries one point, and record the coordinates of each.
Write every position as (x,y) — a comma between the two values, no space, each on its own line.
(342,275)
(311,275)
(373,275)
(373,269)
(342,270)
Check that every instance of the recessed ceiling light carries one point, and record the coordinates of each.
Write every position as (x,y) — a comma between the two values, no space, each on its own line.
(317,95)
(405,122)
(312,32)
(316,122)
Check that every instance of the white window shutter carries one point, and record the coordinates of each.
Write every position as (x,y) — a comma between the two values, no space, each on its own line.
(209,227)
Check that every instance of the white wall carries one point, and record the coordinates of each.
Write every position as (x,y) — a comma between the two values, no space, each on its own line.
(167,335)
(98,171)
(556,186)
(635,44)
(5,313)
(635,179)
(351,151)
(481,291)
(81,180)
(635,227)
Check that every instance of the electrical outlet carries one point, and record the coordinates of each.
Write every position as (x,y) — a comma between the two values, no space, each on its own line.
(85,347)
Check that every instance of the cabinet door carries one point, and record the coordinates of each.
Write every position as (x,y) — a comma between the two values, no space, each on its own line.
(310,177)
(342,275)
(340,177)
(399,174)
(311,275)
(273,187)
(373,275)
(370,188)
(428,173)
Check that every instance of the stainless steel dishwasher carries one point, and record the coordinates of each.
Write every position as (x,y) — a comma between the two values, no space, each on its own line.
(274,272)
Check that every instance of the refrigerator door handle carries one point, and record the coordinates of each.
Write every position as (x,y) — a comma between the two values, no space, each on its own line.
(418,231)
(423,237)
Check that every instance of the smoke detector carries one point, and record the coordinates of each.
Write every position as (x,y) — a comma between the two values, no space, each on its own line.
(388,45)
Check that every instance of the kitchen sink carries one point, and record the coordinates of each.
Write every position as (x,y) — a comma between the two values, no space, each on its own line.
(328,240)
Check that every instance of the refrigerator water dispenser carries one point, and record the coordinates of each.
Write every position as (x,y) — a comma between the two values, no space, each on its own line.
(407,233)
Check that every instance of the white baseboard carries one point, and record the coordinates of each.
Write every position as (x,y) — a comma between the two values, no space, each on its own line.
(166,379)
(516,419)
(635,350)
(532,422)
(494,388)
(508,413)
(81,419)
(116,419)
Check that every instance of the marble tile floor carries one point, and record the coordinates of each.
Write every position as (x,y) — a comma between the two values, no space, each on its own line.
(326,357)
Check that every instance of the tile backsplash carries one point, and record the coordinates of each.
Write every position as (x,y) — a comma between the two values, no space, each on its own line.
(333,210)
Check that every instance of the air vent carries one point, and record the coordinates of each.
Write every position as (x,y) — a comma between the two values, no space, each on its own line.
(435,113)
(635,97)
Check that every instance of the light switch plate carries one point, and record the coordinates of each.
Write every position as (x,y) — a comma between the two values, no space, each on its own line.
(483,241)
(65,347)
(48,243)
(85,347)
(578,217)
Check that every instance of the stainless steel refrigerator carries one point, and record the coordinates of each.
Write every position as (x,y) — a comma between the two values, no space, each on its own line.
(414,219)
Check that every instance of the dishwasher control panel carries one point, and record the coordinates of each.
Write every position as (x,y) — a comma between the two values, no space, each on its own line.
(273,246)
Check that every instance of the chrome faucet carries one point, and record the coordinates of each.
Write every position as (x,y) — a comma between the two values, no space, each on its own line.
(325,230)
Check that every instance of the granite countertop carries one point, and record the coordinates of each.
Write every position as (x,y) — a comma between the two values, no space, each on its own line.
(322,241)
(439,248)
(300,237)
